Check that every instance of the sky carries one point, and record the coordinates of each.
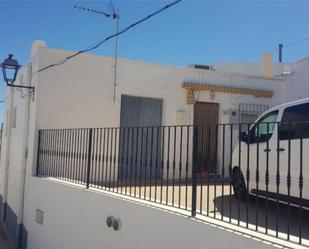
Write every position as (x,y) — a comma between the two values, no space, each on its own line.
(200,32)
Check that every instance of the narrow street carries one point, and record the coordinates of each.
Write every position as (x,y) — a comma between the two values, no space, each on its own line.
(4,244)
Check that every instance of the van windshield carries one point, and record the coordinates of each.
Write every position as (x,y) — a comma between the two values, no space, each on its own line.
(264,128)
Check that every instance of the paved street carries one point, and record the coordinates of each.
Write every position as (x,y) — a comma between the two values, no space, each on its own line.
(4,244)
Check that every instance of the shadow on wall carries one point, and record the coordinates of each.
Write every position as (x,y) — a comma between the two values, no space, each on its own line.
(4,243)
(15,233)
(262,212)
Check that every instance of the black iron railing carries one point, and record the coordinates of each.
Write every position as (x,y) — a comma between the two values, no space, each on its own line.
(255,179)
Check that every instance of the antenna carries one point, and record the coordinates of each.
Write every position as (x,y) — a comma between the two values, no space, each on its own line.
(112,7)
(92,11)
(115,15)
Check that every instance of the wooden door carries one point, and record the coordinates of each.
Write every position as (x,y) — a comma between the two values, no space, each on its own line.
(206,119)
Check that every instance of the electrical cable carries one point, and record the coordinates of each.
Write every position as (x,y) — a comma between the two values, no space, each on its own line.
(110,37)
(99,43)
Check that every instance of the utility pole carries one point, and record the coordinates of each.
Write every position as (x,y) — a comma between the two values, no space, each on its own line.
(115,16)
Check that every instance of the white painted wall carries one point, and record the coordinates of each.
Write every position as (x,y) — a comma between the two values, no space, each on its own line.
(79,94)
(251,68)
(15,143)
(297,86)
(16,148)
(82,215)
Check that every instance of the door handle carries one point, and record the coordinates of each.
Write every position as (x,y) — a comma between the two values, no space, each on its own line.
(280,149)
(267,150)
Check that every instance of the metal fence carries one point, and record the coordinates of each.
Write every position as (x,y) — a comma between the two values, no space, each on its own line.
(257,181)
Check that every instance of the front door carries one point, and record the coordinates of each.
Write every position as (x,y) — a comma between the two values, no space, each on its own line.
(140,137)
(206,120)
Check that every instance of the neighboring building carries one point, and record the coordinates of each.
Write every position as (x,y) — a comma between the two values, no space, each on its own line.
(296,78)
(80,94)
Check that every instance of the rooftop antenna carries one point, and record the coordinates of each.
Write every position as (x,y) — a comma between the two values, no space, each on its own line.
(115,16)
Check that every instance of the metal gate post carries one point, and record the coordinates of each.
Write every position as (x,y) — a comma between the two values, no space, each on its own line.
(89,157)
(194,170)
(38,154)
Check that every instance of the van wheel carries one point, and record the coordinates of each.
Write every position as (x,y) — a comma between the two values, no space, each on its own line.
(239,184)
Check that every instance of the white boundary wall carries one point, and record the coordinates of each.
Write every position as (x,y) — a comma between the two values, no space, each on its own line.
(75,218)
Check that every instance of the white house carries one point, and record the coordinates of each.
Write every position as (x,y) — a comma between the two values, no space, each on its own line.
(81,94)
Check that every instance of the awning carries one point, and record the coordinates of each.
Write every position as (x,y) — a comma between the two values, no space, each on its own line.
(192,87)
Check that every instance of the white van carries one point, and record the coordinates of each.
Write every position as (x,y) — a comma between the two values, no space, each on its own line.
(275,150)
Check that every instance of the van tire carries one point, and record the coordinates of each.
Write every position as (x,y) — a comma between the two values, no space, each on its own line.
(239,184)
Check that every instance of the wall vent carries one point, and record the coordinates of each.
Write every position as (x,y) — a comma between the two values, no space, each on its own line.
(39,216)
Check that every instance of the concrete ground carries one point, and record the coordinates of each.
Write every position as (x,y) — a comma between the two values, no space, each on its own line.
(4,244)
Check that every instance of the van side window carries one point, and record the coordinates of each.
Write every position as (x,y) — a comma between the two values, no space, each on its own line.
(295,122)
(264,128)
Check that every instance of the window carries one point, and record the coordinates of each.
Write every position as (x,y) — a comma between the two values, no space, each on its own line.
(264,128)
(295,122)
(248,113)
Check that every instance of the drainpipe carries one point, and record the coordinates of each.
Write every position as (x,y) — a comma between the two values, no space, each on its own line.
(8,129)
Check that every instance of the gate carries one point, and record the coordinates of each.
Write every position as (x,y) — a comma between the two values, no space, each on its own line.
(142,142)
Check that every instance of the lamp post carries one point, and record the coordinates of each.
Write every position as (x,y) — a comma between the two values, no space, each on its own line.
(10,69)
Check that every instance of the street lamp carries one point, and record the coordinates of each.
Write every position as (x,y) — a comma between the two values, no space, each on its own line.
(10,69)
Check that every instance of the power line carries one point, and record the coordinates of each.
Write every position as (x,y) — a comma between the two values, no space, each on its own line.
(111,36)
(296,42)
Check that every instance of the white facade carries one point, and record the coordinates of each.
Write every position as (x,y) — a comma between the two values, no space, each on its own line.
(79,94)
(297,86)
(85,90)
(251,68)
(76,218)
